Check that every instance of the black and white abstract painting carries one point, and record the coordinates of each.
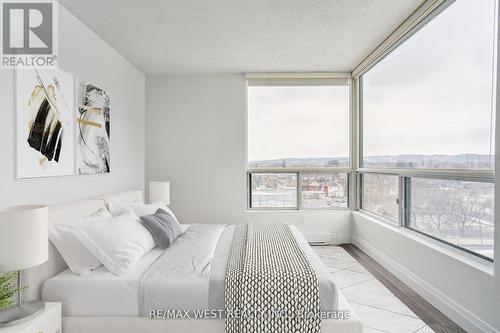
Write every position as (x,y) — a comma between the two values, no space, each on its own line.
(44,123)
(92,130)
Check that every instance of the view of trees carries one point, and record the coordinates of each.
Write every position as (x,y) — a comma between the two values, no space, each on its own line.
(380,195)
(458,212)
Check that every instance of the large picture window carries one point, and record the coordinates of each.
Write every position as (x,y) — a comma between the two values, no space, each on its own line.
(298,143)
(298,124)
(427,120)
(430,102)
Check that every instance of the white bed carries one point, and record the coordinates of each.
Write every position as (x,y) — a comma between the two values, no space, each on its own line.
(101,293)
(103,302)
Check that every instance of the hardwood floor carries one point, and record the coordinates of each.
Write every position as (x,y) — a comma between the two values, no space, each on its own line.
(425,311)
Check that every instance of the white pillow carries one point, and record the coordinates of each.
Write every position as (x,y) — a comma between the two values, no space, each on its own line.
(118,242)
(79,259)
(139,209)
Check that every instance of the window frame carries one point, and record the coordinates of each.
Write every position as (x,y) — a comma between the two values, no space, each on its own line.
(396,222)
(404,177)
(417,21)
(249,191)
(299,173)
(406,207)
(302,79)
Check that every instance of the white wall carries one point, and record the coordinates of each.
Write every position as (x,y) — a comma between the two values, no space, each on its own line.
(83,53)
(465,291)
(195,138)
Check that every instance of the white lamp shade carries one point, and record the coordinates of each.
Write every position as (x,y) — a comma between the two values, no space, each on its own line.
(159,191)
(24,237)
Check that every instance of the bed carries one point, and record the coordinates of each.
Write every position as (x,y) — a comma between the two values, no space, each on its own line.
(189,275)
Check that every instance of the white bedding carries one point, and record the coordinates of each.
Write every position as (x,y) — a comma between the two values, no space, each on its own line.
(179,278)
(100,293)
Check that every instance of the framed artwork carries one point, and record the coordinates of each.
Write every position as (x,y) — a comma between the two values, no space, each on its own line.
(45,142)
(92,130)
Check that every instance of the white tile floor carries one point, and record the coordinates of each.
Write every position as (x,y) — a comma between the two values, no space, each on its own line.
(376,306)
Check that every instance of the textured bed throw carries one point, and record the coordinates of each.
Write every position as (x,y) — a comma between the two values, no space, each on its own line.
(270,285)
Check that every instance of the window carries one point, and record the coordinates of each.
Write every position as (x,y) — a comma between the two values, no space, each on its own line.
(298,143)
(380,195)
(427,120)
(320,190)
(458,212)
(430,102)
(278,190)
(298,125)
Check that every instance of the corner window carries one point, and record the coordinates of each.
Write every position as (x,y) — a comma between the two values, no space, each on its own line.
(427,121)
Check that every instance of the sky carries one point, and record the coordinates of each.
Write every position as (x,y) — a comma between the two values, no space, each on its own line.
(431,95)
(297,121)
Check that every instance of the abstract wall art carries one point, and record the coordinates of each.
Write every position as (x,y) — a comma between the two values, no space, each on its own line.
(92,130)
(44,123)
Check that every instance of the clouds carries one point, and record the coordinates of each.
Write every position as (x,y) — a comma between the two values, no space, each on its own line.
(298,121)
(433,94)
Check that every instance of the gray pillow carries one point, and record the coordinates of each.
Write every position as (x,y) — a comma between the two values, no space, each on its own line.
(163,227)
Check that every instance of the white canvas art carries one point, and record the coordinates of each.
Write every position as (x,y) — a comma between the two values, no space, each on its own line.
(44,123)
(92,130)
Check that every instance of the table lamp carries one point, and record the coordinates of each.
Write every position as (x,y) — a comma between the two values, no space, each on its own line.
(23,244)
(159,191)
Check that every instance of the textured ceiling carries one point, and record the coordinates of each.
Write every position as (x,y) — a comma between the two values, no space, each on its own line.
(228,36)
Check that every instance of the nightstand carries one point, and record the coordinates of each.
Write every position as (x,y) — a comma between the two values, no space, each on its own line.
(47,321)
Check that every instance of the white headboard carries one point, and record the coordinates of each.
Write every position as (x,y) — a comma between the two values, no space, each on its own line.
(123,197)
(35,277)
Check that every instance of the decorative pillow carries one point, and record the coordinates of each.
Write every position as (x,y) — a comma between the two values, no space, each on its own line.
(118,242)
(163,227)
(79,259)
(139,209)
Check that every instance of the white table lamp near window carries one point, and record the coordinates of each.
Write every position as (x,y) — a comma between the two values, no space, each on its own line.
(159,191)
(23,244)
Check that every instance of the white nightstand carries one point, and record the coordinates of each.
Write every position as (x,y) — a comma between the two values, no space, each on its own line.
(47,321)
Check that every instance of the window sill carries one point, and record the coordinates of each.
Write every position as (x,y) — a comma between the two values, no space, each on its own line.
(450,251)
(302,211)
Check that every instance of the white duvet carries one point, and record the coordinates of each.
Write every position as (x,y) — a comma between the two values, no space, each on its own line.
(178,280)
(189,275)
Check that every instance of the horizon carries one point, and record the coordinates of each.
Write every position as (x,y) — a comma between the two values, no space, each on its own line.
(385,155)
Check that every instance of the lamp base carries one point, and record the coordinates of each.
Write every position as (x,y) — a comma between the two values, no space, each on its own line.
(18,315)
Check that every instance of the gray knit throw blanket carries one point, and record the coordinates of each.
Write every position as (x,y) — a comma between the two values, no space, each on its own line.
(270,286)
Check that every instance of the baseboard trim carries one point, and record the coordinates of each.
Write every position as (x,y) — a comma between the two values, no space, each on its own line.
(463,317)
(334,238)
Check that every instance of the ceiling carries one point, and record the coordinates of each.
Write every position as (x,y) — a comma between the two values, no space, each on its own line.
(235,36)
